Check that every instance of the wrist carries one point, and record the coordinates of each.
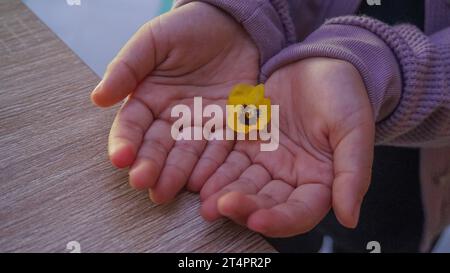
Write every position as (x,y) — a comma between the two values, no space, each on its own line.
(368,53)
(263,20)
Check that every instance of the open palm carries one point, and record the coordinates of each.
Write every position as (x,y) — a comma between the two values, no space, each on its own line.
(323,161)
(195,50)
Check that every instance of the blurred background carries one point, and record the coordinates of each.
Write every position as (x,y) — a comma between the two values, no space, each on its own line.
(96,30)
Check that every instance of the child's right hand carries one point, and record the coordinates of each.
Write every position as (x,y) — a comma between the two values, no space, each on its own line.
(324,159)
(195,50)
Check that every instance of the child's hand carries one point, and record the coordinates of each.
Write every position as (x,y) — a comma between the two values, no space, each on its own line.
(196,50)
(324,159)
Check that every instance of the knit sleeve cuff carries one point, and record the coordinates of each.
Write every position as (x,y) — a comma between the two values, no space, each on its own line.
(361,41)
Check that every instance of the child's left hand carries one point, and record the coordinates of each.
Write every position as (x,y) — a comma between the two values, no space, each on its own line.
(169,61)
(324,159)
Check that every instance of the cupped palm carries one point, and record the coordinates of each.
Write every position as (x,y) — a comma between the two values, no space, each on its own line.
(323,160)
(194,50)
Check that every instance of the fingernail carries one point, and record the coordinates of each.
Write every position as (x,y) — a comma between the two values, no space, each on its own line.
(94,97)
(122,154)
(356,212)
(150,195)
(155,199)
(98,86)
(116,146)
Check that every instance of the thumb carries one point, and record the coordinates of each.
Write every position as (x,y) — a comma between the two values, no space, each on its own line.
(353,157)
(131,65)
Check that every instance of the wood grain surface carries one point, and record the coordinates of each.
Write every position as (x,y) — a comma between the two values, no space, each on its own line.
(56,183)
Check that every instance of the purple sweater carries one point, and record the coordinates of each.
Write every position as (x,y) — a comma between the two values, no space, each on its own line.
(406,73)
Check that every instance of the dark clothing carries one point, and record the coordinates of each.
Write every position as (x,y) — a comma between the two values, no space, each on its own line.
(395,12)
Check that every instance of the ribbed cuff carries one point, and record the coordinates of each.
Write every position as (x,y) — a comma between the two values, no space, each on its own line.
(342,38)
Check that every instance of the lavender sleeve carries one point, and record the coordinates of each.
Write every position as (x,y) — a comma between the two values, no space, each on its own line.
(266,21)
(406,74)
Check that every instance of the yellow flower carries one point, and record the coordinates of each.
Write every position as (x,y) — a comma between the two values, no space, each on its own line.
(247,108)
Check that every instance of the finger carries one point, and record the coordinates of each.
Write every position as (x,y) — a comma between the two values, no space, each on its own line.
(178,167)
(217,148)
(280,163)
(353,159)
(213,157)
(305,208)
(250,182)
(238,206)
(128,131)
(135,60)
(229,171)
(151,156)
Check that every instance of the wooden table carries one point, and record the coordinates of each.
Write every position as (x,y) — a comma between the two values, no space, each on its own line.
(56,184)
